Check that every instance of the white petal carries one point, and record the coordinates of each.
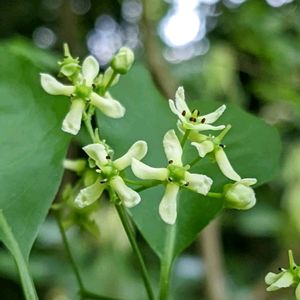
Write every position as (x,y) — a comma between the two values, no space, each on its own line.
(97,152)
(109,107)
(145,172)
(168,204)
(127,195)
(90,194)
(180,101)
(248,181)
(202,127)
(54,87)
(284,281)
(198,183)
(204,147)
(90,69)
(72,121)
(138,150)
(75,165)
(272,277)
(225,165)
(214,116)
(172,147)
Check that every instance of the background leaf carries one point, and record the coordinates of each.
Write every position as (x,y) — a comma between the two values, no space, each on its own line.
(32,144)
(253,148)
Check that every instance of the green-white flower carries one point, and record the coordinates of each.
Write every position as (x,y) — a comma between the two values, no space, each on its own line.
(123,60)
(286,277)
(240,195)
(210,144)
(175,176)
(109,174)
(81,93)
(192,120)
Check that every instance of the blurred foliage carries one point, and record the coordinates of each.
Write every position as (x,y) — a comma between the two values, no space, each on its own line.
(253,61)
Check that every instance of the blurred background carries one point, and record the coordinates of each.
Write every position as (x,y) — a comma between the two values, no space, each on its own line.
(244,52)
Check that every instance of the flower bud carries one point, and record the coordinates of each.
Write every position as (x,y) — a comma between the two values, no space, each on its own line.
(123,60)
(239,196)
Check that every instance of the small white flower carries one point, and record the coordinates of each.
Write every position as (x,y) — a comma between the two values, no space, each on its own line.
(286,278)
(240,195)
(175,175)
(81,93)
(192,119)
(108,171)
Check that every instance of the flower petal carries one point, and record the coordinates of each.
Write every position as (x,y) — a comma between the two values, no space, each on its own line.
(225,165)
(127,195)
(108,106)
(214,116)
(90,194)
(202,127)
(204,147)
(97,152)
(272,277)
(177,112)
(90,69)
(168,204)
(54,87)
(172,147)
(72,121)
(248,181)
(145,172)
(180,101)
(198,183)
(75,165)
(138,150)
(286,279)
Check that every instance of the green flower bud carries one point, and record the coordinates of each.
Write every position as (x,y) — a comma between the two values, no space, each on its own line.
(123,60)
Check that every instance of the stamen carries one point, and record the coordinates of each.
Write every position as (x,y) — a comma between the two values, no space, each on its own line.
(280,269)
(222,145)
(183,113)
(186,184)
(203,120)
(170,179)
(98,171)
(294,268)
(93,85)
(170,161)
(198,113)
(107,157)
(103,180)
(192,119)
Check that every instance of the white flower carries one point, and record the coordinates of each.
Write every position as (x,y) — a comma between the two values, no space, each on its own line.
(192,119)
(176,175)
(81,93)
(286,278)
(240,195)
(109,174)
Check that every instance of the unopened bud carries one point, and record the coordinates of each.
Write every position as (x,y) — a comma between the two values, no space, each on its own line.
(123,60)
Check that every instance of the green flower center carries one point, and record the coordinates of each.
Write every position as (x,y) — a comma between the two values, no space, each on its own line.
(108,172)
(177,174)
(83,92)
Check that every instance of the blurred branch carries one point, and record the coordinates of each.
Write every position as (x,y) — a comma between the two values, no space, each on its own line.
(211,248)
(157,65)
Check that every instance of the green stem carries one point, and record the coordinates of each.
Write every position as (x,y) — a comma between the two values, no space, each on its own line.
(184,138)
(130,234)
(7,236)
(215,195)
(90,295)
(166,263)
(220,137)
(112,78)
(145,187)
(69,253)
(193,162)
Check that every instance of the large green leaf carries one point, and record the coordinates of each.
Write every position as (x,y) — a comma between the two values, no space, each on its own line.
(32,144)
(252,146)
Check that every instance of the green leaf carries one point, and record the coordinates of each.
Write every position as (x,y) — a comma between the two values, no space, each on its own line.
(253,147)
(32,145)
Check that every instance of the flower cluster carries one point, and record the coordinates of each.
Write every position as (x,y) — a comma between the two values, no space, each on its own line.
(286,277)
(89,90)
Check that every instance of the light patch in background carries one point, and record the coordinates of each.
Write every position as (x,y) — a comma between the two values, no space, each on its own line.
(44,37)
(132,10)
(278,3)
(80,7)
(52,4)
(189,268)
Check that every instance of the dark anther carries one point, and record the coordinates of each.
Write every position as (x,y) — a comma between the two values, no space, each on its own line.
(203,120)
(186,184)
(72,95)
(192,119)
(103,181)
(294,268)
(93,85)
(222,145)
(183,113)
(107,157)
(198,113)
(193,111)
(170,161)
(170,179)
(280,269)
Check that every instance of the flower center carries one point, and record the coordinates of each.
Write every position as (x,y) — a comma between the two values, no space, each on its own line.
(107,172)
(177,174)
(83,92)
